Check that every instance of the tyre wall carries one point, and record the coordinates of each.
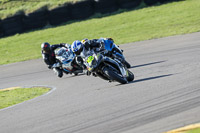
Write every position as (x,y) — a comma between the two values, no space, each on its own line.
(35,20)
(150,2)
(105,6)
(165,1)
(128,4)
(82,9)
(12,25)
(1,30)
(59,15)
(71,11)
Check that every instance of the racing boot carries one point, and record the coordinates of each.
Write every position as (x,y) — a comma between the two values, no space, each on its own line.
(58,72)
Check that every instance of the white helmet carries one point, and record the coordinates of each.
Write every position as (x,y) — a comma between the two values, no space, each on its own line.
(77,47)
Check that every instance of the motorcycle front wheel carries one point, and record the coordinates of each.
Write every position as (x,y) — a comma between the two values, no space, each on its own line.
(114,75)
(127,64)
(130,76)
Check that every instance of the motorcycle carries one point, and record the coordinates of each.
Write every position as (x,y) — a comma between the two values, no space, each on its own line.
(108,68)
(113,51)
(66,62)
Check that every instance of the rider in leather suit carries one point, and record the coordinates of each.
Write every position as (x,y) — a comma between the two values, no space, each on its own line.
(49,56)
(82,48)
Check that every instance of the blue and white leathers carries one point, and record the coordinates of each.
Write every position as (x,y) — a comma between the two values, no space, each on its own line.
(112,48)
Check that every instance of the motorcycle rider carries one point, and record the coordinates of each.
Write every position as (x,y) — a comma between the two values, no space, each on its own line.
(83,48)
(113,52)
(49,58)
(86,45)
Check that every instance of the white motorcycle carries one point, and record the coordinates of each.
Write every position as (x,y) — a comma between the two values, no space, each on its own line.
(65,61)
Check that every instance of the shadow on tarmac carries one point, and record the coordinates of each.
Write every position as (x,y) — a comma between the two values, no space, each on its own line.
(150,78)
(148,64)
(146,79)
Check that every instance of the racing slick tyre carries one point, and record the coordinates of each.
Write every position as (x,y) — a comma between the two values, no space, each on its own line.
(130,76)
(113,74)
(127,64)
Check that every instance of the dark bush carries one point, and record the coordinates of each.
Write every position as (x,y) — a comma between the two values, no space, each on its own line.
(13,25)
(82,9)
(128,4)
(35,20)
(150,2)
(59,15)
(105,6)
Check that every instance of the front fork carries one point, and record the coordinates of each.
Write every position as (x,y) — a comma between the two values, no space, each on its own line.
(117,55)
(122,68)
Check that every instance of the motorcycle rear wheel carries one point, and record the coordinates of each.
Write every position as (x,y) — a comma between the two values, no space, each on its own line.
(114,75)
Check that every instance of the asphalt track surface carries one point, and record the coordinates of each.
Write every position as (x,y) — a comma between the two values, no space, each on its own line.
(165,94)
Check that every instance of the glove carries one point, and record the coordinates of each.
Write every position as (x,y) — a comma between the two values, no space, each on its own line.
(101,46)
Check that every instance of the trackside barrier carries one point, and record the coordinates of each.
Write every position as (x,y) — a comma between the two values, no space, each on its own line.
(71,11)
(12,25)
(150,2)
(1,30)
(105,6)
(35,20)
(128,4)
(59,15)
(82,9)
(165,1)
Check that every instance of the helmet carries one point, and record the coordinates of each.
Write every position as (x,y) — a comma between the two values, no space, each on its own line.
(84,40)
(77,47)
(45,47)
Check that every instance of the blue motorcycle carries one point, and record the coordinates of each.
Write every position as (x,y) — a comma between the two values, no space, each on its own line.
(113,50)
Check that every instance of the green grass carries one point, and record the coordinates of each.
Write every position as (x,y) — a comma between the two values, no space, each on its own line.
(12,97)
(11,7)
(196,130)
(129,26)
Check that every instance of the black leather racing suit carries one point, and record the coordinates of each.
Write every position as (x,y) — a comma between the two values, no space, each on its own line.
(50,59)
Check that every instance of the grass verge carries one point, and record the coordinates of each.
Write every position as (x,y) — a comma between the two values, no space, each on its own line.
(128,26)
(197,130)
(194,128)
(18,95)
(11,7)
